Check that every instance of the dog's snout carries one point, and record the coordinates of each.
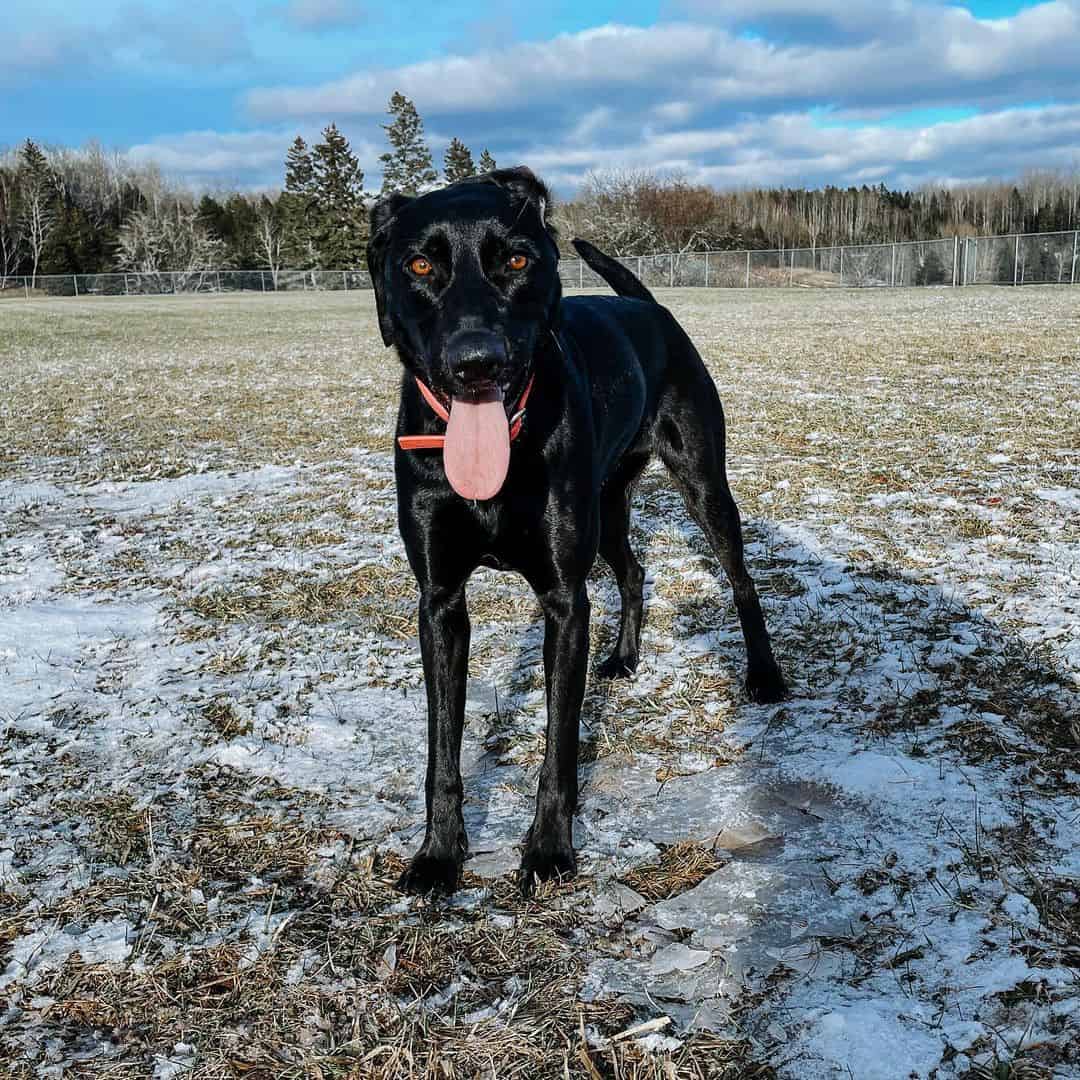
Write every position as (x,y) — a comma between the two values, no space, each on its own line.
(476,357)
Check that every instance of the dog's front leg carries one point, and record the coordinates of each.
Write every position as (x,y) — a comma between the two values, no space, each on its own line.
(444,645)
(549,848)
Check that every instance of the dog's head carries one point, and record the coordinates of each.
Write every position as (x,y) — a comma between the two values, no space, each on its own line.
(466,280)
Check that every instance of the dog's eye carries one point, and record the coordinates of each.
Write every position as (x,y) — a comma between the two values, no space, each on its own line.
(420,266)
(517,261)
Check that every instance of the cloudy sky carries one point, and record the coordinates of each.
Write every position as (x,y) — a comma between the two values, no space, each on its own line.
(733,93)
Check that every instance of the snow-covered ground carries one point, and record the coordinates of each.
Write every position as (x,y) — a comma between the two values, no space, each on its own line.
(213,714)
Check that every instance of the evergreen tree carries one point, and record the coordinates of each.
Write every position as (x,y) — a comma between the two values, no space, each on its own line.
(298,206)
(72,246)
(407,168)
(38,190)
(239,230)
(458,162)
(339,203)
(212,215)
(487,162)
(11,226)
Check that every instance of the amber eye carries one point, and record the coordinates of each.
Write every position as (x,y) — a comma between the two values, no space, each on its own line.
(518,261)
(420,266)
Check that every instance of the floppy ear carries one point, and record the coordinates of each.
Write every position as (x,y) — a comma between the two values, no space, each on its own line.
(523,183)
(381,221)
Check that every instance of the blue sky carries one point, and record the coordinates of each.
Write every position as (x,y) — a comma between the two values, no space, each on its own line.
(735,93)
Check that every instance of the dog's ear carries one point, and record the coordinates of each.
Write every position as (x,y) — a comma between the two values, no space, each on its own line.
(381,221)
(523,183)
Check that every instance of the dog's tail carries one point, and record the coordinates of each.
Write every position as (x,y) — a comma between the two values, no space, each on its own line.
(614,273)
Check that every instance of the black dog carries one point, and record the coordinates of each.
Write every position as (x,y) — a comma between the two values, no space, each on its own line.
(467,290)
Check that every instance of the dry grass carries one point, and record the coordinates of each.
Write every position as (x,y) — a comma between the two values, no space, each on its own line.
(681,867)
(382,595)
(273,941)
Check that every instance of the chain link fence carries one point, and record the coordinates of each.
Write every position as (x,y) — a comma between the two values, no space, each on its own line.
(1018,259)
(168,283)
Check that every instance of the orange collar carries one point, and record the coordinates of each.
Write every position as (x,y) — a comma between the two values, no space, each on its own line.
(436,442)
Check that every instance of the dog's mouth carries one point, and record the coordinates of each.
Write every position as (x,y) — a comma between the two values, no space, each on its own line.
(476,453)
(477,391)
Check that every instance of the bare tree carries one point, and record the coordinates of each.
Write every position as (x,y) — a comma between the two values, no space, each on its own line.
(270,235)
(173,244)
(607,211)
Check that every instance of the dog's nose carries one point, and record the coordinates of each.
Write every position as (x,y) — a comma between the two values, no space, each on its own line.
(474,356)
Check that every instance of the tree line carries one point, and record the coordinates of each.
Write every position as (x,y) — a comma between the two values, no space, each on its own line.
(84,211)
(635,213)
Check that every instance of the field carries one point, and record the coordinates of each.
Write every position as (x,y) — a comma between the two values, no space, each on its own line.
(213,714)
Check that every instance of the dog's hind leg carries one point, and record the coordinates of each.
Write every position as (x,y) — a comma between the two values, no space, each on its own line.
(615,550)
(690,439)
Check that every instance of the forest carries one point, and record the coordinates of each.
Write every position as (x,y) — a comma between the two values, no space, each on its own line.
(90,210)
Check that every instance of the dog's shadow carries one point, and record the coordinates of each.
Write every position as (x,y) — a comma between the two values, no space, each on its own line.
(836,628)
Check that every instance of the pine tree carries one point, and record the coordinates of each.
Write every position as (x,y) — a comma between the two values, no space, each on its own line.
(487,162)
(38,191)
(407,168)
(339,202)
(458,162)
(298,206)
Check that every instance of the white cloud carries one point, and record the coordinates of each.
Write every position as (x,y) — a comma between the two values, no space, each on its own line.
(702,98)
(919,54)
(133,38)
(793,149)
(250,159)
(211,152)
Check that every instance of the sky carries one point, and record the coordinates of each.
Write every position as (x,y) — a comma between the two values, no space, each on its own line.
(735,94)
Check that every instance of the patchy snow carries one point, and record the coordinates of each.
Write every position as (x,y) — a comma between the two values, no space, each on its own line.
(811,804)
(46,950)
(891,841)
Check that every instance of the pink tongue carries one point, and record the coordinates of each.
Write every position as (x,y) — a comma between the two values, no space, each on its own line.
(476,454)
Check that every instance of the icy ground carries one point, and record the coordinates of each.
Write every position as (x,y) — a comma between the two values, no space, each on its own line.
(891,870)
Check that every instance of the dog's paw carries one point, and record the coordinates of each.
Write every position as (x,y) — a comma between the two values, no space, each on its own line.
(428,873)
(617,667)
(766,687)
(543,862)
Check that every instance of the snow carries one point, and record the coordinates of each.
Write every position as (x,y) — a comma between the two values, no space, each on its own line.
(873,1040)
(32,955)
(807,797)
(847,822)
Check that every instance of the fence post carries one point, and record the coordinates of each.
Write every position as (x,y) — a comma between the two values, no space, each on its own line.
(581,273)
(639,268)
(791,270)
(748,269)
(1016,259)
(671,271)
(706,269)
(344,281)
(262,279)
(75,282)
(955,258)
(892,272)
(841,265)
(1072,272)
(26,287)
